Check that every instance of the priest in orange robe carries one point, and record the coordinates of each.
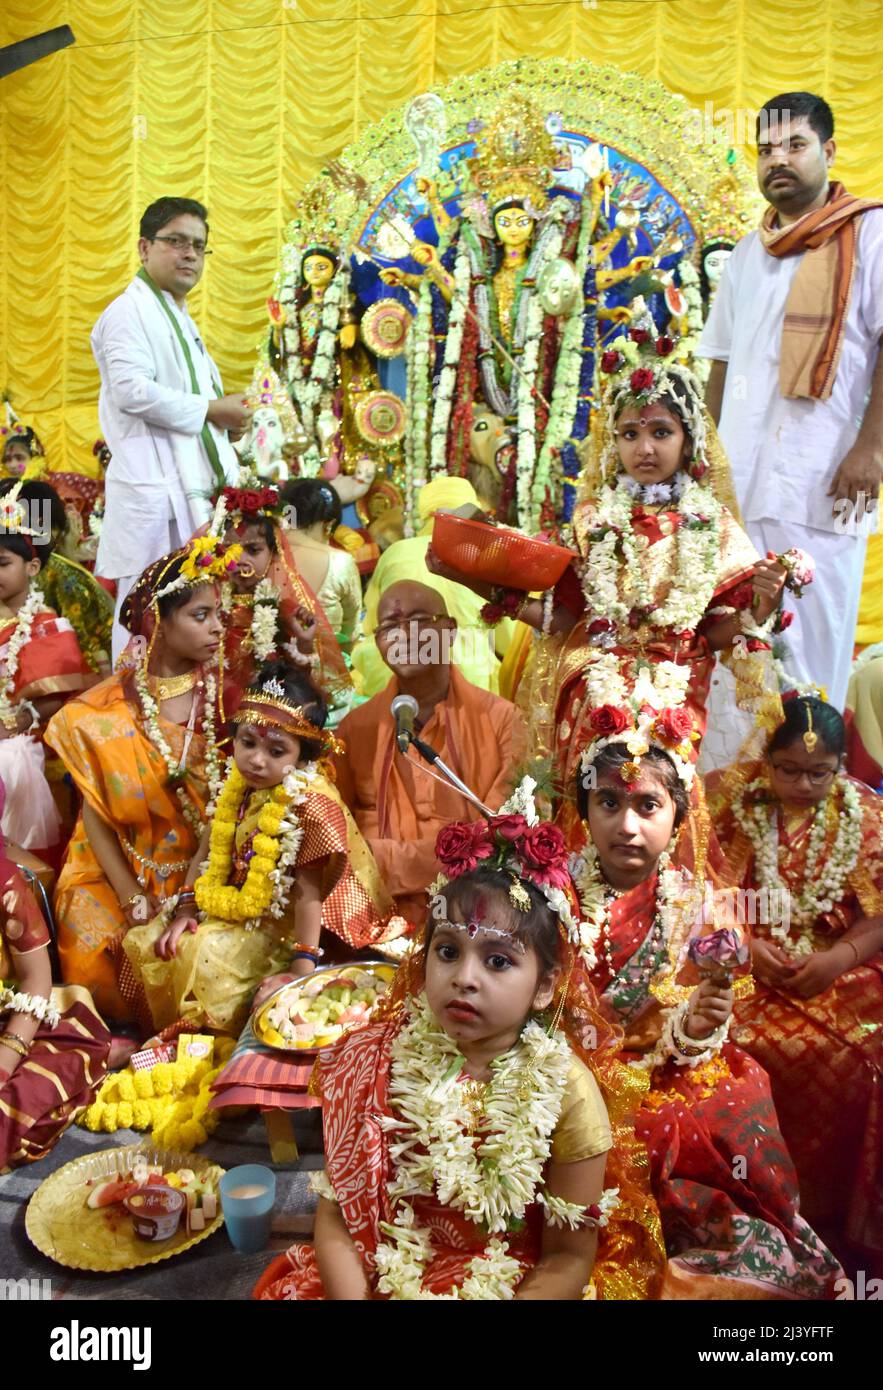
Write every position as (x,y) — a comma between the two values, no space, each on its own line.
(398,801)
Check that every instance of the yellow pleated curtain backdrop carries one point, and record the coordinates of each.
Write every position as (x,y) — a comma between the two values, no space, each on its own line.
(238,104)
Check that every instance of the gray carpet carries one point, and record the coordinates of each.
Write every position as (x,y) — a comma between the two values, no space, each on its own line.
(212,1269)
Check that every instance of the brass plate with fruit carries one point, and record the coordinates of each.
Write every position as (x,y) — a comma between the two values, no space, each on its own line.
(316,1011)
(78,1216)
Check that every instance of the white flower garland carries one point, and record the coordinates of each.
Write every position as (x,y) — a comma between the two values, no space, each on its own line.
(21,636)
(12,1002)
(265,620)
(823,883)
(491,1178)
(565,392)
(526,414)
(312,392)
(585,870)
(690,288)
(441,415)
(297,783)
(491,1182)
(695,576)
(417,348)
(401,1264)
(150,710)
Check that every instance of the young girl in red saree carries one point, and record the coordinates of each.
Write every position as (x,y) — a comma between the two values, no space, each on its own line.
(666,577)
(794,825)
(469,1152)
(721,1173)
(269,608)
(53,1045)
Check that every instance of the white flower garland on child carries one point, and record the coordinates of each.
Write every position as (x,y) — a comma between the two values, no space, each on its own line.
(491,1179)
(265,620)
(12,1002)
(697,559)
(823,884)
(19,639)
(150,708)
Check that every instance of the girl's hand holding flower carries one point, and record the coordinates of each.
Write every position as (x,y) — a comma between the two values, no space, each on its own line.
(167,945)
(710,1007)
(767,582)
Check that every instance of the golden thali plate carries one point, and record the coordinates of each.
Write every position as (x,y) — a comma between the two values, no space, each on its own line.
(61,1226)
(290,995)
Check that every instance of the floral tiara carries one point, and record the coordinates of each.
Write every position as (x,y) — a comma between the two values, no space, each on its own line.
(672,730)
(518,843)
(639,369)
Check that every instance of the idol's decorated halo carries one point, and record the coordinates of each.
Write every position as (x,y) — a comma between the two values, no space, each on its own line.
(516,843)
(270,708)
(640,367)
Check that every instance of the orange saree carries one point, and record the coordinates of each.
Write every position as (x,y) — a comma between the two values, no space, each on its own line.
(104,744)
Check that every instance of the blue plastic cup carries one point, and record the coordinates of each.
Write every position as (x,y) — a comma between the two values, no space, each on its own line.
(247,1197)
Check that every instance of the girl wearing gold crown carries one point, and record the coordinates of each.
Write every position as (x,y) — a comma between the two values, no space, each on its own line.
(664,969)
(41,666)
(142,748)
(479,1137)
(808,840)
(284,859)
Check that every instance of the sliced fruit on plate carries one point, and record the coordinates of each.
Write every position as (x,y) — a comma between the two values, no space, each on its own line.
(106,1194)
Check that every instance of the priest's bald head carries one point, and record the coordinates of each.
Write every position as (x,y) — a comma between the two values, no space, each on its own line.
(414,631)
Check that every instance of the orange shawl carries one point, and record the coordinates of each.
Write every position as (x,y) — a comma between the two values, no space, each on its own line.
(818,301)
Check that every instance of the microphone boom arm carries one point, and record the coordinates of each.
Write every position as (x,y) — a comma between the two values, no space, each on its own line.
(428,753)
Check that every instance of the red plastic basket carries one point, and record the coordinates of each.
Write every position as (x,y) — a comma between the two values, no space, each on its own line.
(497,555)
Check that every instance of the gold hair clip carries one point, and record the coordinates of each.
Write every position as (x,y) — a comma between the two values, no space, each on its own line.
(810,739)
(630,772)
(519,896)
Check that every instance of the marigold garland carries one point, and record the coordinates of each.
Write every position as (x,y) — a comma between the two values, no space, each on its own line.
(171,1100)
(275,848)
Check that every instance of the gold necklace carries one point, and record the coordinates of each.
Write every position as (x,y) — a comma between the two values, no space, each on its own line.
(170,687)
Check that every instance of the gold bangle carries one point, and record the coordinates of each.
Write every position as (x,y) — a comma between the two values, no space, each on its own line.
(852,946)
(14,1044)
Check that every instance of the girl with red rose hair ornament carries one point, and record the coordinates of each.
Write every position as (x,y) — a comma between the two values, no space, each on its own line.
(662,949)
(479,1136)
(666,577)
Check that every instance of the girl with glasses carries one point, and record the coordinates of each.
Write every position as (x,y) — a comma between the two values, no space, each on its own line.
(798,824)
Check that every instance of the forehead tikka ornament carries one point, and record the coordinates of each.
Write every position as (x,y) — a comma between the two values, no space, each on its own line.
(474,928)
(810,738)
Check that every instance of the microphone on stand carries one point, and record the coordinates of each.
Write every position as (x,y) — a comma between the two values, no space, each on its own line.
(404,710)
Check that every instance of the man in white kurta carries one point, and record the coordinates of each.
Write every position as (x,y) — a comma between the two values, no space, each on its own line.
(161,409)
(792,459)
